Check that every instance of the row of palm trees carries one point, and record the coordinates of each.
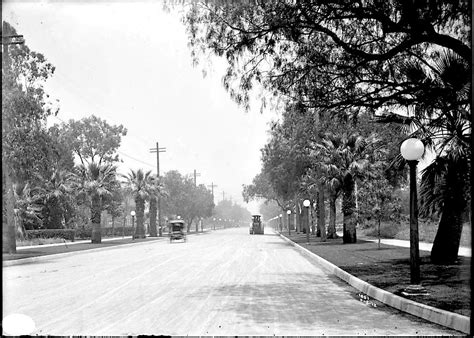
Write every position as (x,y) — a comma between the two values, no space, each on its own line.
(338,161)
(92,185)
(99,181)
(442,120)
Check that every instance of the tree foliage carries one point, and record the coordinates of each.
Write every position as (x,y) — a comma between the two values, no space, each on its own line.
(93,139)
(184,199)
(95,183)
(360,47)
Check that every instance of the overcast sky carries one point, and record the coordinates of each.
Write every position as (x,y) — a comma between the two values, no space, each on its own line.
(129,63)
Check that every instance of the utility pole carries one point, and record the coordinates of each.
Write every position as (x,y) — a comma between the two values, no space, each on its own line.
(212,189)
(158,150)
(8,227)
(195,175)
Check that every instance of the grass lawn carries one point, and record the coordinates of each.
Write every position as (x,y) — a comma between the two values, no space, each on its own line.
(389,268)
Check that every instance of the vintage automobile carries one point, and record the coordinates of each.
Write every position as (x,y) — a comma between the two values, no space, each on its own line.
(257,225)
(176,230)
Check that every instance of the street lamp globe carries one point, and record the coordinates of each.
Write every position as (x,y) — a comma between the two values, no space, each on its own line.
(281,215)
(412,149)
(306,203)
(132,213)
(288,212)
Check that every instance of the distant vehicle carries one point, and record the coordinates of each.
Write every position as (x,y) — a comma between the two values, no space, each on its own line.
(257,225)
(177,230)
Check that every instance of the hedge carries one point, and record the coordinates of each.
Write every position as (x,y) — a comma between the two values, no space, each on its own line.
(86,233)
(68,234)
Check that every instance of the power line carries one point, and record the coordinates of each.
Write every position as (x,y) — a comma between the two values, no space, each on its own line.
(135,159)
(120,152)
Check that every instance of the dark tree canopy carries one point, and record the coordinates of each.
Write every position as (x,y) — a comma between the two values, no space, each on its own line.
(330,54)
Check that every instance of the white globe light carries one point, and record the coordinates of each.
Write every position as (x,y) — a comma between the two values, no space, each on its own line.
(132,213)
(412,149)
(306,203)
(281,215)
(288,212)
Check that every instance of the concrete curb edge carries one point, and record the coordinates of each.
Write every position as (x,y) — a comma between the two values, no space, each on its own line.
(64,254)
(445,318)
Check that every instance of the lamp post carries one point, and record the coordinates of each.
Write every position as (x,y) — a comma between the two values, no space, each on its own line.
(306,204)
(281,225)
(412,150)
(288,212)
(132,213)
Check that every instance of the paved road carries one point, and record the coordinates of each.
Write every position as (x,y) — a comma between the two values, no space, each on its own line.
(221,283)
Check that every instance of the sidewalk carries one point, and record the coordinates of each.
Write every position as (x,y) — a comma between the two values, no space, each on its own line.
(424,246)
(463,251)
(69,243)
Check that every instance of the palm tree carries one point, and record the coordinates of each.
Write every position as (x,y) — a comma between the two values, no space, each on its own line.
(153,215)
(441,118)
(142,185)
(329,174)
(28,207)
(96,182)
(156,193)
(56,193)
(332,178)
(347,157)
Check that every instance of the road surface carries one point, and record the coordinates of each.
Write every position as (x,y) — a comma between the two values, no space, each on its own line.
(220,283)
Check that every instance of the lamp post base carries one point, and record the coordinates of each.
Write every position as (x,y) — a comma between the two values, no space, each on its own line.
(414,290)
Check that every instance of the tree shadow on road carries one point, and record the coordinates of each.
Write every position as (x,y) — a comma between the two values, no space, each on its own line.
(307,301)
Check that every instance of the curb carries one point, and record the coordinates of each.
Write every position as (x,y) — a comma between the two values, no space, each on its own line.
(64,254)
(442,317)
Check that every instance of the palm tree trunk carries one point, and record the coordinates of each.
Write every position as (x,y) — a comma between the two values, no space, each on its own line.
(318,211)
(322,213)
(348,208)
(113,225)
(448,237)
(96,236)
(55,214)
(140,211)
(153,211)
(332,217)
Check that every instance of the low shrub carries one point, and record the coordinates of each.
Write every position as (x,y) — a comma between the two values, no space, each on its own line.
(118,231)
(67,234)
(86,233)
(387,230)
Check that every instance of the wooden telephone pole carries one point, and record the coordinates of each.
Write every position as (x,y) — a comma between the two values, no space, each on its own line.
(195,175)
(212,189)
(158,150)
